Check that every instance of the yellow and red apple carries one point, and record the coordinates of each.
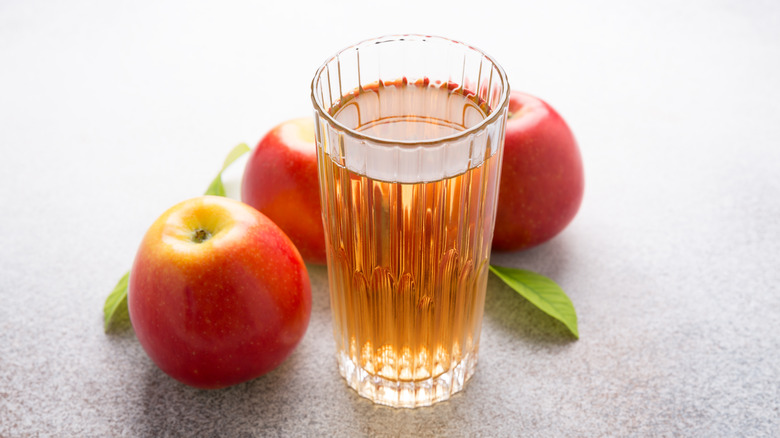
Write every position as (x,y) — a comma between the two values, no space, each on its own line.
(542,178)
(280,180)
(217,295)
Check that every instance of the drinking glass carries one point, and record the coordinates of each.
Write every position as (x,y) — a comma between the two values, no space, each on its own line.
(410,134)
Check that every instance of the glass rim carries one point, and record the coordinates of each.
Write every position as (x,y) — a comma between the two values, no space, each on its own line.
(490,119)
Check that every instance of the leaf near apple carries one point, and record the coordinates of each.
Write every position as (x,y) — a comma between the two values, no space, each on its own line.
(542,178)
(218,294)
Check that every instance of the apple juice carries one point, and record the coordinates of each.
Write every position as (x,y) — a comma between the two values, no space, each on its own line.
(408,237)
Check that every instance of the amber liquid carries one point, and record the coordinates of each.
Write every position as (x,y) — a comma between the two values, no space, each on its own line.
(408,262)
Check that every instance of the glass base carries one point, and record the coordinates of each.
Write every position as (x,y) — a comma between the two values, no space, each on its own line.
(407,394)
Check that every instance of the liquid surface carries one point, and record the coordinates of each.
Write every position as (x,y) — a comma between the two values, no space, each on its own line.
(408,112)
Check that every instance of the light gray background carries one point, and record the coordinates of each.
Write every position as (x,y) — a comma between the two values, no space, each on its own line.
(110,112)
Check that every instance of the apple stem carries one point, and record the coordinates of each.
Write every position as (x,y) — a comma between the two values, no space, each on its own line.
(200,235)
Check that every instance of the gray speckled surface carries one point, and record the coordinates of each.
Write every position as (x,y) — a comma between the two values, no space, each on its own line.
(112,112)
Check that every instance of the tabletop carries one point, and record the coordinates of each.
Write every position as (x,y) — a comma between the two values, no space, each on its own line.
(111,112)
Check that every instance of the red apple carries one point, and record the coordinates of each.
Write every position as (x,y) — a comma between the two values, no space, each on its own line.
(218,295)
(542,180)
(280,180)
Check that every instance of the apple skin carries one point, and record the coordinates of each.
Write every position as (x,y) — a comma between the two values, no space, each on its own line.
(542,177)
(280,180)
(223,311)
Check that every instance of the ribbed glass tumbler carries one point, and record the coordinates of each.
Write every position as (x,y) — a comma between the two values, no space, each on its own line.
(410,134)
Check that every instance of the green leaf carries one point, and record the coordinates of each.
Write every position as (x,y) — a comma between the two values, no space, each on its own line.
(541,292)
(234,154)
(115,314)
(216,188)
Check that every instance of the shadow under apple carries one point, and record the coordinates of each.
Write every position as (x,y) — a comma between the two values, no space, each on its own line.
(167,406)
